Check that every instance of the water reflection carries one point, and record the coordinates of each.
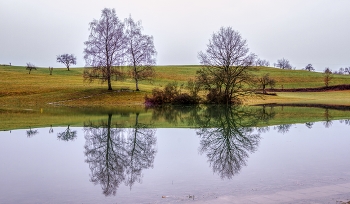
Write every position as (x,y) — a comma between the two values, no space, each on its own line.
(328,119)
(227,137)
(67,135)
(31,133)
(284,128)
(117,155)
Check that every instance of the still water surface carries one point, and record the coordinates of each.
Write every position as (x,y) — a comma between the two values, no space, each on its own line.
(105,163)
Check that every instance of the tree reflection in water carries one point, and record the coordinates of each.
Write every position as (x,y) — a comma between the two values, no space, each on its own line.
(226,133)
(228,136)
(31,133)
(67,135)
(117,154)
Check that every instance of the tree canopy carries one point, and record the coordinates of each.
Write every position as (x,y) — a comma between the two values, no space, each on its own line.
(225,65)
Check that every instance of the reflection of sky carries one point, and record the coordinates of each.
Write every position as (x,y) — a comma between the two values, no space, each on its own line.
(42,168)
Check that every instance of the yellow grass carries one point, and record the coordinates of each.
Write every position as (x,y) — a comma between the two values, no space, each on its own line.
(67,88)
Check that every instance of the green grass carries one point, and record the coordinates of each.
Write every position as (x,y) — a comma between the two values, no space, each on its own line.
(67,88)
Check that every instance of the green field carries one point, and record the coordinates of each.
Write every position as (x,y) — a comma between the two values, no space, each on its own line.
(67,88)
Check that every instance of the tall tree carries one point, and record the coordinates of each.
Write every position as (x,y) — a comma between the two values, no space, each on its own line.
(225,65)
(140,52)
(67,59)
(105,47)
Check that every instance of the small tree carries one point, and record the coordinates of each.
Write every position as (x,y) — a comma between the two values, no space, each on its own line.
(30,67)
(327,76)
(266,81)
(140,52)
(309,68)
(283,64)
(50,69)
(347,70)
(67,59)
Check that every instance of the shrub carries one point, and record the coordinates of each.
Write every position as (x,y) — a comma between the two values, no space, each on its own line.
(170,94)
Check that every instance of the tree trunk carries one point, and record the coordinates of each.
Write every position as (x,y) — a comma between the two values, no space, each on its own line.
(68,68)
(137,84)
(109,78)
(264,91)
(136,78)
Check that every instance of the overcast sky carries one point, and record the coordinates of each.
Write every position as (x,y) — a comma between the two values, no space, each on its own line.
(302,31)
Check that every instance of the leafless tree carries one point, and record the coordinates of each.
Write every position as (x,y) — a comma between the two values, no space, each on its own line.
(30,67)
(309,68)
(262,63)
(225,65)
(140,52)
(341,71)
(266,81)
(105,48)
(66,59)
(283,64)
(327,76)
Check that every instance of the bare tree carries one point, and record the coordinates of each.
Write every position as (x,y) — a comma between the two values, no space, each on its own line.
(266,81)
(105,48)
(327,76)
(140,52)
(309,68)
(66,59)
(283,64)
(30,67)
(341,70)
(225,67)
(262,63)
(347,70)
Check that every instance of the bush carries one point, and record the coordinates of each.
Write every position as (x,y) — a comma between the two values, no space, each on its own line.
(185,99)
(170,94)
(214,96)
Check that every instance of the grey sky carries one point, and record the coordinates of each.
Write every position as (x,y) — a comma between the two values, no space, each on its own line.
(303,31)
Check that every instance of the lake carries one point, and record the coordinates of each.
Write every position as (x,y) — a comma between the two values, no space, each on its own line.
(176,155)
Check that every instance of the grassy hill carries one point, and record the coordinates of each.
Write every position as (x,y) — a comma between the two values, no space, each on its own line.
(67,88)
